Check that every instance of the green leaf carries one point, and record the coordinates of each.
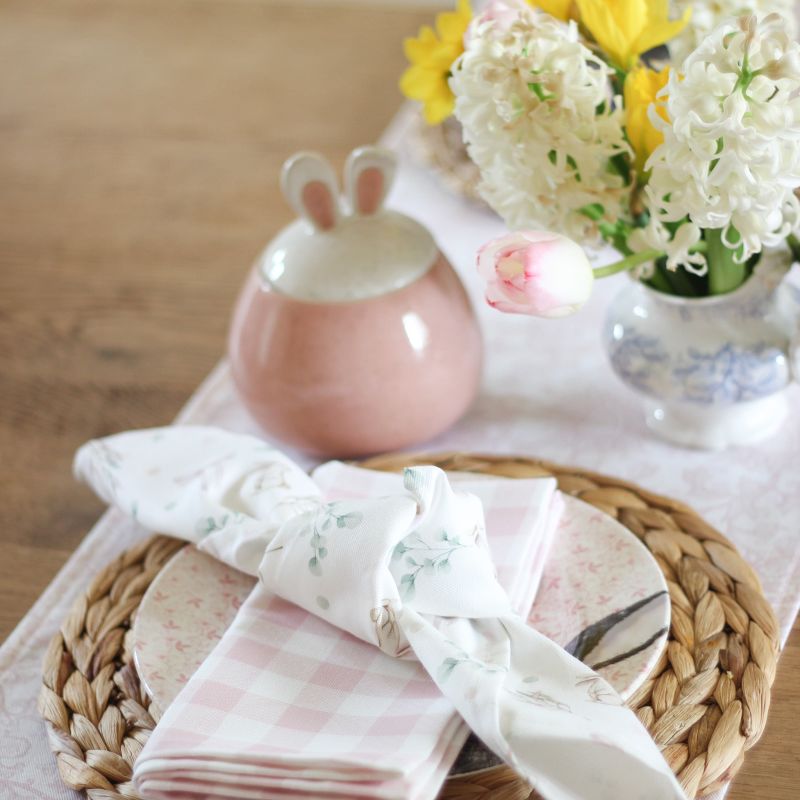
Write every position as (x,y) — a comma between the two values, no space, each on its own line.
(322,552)
(314,567)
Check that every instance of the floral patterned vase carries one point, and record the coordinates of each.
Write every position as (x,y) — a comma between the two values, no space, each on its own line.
(713,371)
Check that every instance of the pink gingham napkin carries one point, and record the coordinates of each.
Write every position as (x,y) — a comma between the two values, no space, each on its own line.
(289,705)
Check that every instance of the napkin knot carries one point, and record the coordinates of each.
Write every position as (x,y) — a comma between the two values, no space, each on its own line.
(360,563)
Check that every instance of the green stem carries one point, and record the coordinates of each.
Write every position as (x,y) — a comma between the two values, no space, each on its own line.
(627,263)
(634,260)
(724,274)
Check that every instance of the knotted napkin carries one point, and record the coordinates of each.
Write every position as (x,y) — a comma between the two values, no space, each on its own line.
(410,573)
(285,692)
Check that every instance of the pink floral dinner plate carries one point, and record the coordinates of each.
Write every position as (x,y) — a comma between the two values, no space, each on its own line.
(602,597)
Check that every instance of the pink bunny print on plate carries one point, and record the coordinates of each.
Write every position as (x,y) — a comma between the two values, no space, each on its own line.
(353,334)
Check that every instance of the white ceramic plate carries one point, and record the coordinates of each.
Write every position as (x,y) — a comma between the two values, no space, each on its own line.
(602,596)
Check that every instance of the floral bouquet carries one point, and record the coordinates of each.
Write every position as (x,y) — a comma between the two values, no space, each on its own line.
(684,158)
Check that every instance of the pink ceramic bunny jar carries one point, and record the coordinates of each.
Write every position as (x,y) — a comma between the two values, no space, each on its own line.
(353,334)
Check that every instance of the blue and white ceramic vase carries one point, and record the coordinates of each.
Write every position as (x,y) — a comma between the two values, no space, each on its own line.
(714,371)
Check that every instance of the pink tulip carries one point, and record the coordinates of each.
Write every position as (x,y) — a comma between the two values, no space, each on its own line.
(503,13)
(535,272)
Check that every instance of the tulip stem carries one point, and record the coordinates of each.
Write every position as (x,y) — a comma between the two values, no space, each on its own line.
(636,259)
(627,263)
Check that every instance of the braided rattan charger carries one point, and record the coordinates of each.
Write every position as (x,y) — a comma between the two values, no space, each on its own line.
(705,704)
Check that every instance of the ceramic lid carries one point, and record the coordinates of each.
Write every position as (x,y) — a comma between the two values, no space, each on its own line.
(350,248)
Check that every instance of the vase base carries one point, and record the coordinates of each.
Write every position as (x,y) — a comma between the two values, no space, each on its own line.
(717,427)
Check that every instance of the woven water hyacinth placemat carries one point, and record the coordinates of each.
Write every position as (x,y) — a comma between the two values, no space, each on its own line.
(705,703)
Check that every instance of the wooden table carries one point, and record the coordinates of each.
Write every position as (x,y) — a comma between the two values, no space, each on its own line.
(140,142)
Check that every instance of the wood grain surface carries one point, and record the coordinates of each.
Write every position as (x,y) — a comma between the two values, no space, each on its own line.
(140,142)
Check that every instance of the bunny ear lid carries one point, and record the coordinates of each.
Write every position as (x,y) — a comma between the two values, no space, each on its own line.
(368,177)
(309,184)
(338,252)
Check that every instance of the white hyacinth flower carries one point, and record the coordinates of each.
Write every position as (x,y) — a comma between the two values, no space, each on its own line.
(708,14)
(540,123)
(730,159)
(655,236)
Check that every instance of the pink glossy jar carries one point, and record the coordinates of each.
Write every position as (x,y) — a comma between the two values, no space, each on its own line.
(353,334)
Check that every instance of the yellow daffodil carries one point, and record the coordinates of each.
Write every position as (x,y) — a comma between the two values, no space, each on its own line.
(641,87)
(625,29)
(560,9)
(431,55)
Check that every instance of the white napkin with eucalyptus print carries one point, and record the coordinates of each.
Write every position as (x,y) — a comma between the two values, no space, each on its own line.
(408,573)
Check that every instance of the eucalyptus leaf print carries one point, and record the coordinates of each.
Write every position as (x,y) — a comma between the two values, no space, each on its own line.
(330,518)
(462,658)
(318,543)
(350,520)
(446,669)
(207,525)
(110,456)
(422,557)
